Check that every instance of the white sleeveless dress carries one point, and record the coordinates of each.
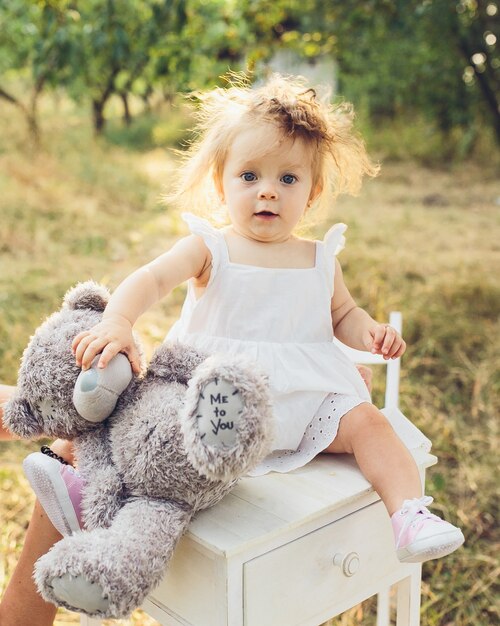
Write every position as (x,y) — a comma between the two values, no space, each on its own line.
(281,320)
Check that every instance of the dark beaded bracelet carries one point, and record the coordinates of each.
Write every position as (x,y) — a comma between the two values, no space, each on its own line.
(46,450)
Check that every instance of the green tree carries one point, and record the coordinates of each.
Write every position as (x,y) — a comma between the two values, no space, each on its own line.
(33,48)
(114,46)
(434,57)
(428,56)
(94,49)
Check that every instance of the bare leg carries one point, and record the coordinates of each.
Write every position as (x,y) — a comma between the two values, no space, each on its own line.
(382,457)
(21,601)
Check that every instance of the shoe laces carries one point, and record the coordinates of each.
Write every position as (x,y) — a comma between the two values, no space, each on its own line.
(415,510)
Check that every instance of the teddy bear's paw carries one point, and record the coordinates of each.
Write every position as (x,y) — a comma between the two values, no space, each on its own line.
(79,593)
(218,413)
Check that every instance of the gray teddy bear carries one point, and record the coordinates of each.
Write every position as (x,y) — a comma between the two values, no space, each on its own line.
(153,450)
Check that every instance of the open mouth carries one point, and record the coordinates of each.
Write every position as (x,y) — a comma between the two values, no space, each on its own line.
(266,214)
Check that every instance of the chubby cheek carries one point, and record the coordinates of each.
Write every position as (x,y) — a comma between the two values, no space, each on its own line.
(240,203)
(296,206)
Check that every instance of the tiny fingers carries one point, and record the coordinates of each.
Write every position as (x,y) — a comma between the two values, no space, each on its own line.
(394,345)
(106,339)
(110,351)
(80,345)
(400,350)
(77,339)
(378,338)
(88,349)
(390,339)
(135,360)
(388,342)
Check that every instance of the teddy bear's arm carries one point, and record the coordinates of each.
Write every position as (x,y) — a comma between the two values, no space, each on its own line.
(97,389)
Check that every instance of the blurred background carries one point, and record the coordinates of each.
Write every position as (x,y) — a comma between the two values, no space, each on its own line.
(92,109)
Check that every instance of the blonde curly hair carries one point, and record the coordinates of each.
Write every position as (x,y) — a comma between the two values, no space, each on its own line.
(339,156)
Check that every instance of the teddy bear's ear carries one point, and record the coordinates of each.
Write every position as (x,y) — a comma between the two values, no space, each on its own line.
(88,295)
(19,419)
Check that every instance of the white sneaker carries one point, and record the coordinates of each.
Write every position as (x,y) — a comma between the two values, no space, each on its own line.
(58,488)
(420,535)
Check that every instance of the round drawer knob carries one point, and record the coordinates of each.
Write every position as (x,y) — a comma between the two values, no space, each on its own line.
(349,563)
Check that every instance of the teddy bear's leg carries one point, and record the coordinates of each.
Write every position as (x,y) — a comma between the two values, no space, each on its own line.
(103,493)
(227,418)
(109,572)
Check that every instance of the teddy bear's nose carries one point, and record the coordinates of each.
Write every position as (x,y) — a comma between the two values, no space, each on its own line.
(88,380)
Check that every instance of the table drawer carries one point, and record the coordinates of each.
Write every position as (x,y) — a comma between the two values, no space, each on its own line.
(299,583)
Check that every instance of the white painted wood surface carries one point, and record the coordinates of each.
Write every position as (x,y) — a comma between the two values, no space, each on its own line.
(265,554)
(305,569)
(88,621)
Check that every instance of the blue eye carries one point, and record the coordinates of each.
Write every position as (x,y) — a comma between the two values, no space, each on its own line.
(288,179)
(248,177)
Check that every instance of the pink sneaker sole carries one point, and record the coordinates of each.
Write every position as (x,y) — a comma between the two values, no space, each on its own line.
(431,547)
(44,475)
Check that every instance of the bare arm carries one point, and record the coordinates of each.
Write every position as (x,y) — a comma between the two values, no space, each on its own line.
(6,393)
(188,258)
(354,327)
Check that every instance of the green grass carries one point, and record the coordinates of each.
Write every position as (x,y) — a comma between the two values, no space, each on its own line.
(420,240)
(434,263)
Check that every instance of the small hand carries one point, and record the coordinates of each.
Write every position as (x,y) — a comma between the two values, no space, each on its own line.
(385,340)
(107,338)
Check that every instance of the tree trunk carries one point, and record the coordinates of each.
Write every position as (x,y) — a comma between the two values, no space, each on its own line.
(29,114)
(485,81)
(126,110)
(146,99)
(490,97)
(33,112)
(34,130)
(98,104)
(98,115)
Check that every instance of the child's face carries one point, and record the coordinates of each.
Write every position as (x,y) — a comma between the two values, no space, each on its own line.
(266,190)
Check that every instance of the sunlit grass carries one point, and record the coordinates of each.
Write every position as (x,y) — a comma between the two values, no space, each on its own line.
(423,241)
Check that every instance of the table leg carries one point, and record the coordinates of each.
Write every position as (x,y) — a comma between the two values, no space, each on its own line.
(383,607)
(408,605)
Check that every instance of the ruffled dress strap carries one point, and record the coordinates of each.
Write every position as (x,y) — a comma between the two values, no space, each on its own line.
(213,238)
(333,243)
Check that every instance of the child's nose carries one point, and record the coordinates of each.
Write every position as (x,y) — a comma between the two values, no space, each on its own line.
(268,192)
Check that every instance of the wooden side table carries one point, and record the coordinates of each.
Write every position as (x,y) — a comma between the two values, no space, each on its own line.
(289,550)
